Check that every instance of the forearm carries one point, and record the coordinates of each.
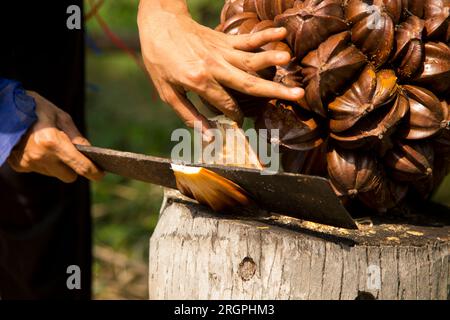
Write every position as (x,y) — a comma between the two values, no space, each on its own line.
(177,7)
(17,114)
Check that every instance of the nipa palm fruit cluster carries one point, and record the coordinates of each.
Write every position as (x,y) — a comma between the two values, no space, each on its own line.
(375,117)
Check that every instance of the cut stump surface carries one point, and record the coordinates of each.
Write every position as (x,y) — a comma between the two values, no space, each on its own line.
(198,254)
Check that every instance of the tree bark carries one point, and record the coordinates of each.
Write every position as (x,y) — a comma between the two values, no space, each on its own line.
(197,254)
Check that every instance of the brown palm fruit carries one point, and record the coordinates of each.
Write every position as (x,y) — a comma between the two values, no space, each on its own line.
(329,68)
(230,9)
(310,23)
(373,26)
(427,115)
(250,6)
(352,173)
(441,145)
(413,162)
(240,23)
(268,9)
(376,75)
(435,74)
(410,50)
(355,10)
(371,91)
(441,142)
(437,20)
(312,162)
(375,128)
(385,196)
(290,75)
(414,8)
(298,130)
(410,161)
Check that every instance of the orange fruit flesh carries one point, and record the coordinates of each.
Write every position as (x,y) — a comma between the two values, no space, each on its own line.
(209,188)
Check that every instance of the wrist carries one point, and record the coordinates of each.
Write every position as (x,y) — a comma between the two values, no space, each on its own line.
(151,8)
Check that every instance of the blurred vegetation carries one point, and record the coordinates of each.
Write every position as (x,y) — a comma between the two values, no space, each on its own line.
(124,114)
(121,14)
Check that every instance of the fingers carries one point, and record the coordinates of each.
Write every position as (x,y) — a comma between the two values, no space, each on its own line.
(44,163)
(16,160)
(241,81)
(257,61)
(75,160)
(49,146)
(223,101)
(62,172)
(251,42)
(65,123)
(49,115)
(184,108)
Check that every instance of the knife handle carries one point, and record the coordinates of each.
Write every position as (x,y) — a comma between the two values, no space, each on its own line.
(149,169)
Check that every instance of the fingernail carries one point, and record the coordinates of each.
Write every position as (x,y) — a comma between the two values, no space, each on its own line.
(279,30)
(297,91)
(281,56)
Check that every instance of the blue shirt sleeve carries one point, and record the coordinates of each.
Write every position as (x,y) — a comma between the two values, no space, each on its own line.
(17,114)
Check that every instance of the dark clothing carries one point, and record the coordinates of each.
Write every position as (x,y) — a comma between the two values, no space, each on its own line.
(17,115)
(44,224)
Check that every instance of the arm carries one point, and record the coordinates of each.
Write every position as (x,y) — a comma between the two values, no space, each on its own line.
(36,136)
(17,115)
(182,55)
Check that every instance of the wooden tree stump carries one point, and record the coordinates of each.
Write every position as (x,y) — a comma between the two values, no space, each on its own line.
(196,254)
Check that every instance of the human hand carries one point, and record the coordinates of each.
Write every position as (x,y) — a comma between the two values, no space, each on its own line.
(182,55)
(48,147)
